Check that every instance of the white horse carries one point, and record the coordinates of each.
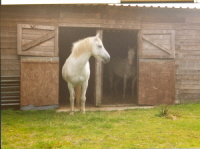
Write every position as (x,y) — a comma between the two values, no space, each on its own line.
(76,70)
(122,68)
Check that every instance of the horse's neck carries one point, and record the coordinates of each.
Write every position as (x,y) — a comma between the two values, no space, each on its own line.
(81,52)
(82,59)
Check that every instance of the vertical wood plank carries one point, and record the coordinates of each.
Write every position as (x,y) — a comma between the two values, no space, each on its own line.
(98,77)
(140,43)
(19,38)
(139,54)
(173,43)
(56,50)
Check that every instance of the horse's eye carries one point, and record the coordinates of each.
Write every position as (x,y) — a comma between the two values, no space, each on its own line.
(99,46)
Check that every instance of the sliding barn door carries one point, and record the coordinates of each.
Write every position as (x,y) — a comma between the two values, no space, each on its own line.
(38,47)
(156,81)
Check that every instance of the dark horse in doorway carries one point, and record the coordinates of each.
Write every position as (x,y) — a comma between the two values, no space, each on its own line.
(124,68)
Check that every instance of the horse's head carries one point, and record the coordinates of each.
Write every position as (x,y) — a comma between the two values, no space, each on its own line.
(98,50)
(131,55)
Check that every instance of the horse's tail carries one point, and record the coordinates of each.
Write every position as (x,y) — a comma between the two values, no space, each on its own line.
(78,95)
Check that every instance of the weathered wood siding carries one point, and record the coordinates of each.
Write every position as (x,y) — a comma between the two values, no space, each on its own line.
(188,59)
(9,58)
(10,17)
(188,65)
(185,23)
(99,17)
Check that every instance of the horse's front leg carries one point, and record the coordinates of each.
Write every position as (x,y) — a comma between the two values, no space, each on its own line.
(83,96)
(72,97)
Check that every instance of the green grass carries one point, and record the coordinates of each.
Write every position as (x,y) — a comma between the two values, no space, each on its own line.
(139,128)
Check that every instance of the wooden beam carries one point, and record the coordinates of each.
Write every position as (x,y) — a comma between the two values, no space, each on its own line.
(41,27)
(19,38)
(39,40)
(56,49)
(98,77)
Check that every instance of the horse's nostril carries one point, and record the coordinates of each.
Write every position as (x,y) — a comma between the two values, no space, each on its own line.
(106,60)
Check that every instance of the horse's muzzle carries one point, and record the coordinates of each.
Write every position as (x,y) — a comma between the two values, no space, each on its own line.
(106,60)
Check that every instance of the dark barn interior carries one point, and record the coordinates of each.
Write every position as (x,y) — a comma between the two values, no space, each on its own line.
(116,43)
(67,36)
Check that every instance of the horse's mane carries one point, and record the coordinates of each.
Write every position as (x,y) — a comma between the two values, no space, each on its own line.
(81,46)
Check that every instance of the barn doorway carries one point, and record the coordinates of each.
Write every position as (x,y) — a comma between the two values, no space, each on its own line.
(67,36)
(116,43)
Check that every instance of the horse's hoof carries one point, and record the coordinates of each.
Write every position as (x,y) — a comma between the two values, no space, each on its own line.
(83,112)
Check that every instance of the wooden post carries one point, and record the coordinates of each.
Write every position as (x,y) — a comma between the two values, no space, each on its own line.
(19,38)
(98,77)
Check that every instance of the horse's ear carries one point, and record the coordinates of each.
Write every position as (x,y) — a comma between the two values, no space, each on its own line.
(98,35)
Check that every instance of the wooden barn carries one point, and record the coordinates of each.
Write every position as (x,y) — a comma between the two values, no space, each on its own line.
(36,40)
